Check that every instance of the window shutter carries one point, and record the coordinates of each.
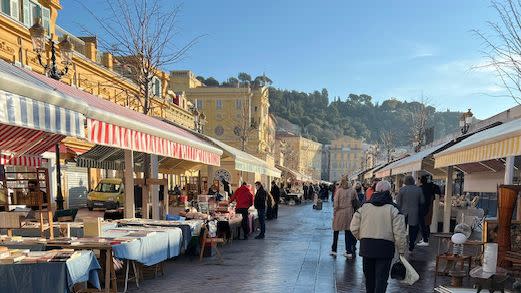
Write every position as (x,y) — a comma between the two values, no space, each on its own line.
(27,13)
(15,9)
(46,19)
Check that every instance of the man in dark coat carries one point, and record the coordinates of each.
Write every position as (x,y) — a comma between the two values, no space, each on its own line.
(429,190)
(305,189)
(275,192)
(260,205)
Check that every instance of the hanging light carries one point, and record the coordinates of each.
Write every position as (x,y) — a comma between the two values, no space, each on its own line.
(66,50)
(38,37)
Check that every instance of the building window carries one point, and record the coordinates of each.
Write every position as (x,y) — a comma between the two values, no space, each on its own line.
(199,104)
(155,87)
(11,8)
(219,104)
(238,104)
(219,130)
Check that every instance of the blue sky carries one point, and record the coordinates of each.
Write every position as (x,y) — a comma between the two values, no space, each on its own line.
(385,49)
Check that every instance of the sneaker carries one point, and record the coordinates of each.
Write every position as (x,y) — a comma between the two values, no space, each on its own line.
(348,255)
(424,244)
(333,253)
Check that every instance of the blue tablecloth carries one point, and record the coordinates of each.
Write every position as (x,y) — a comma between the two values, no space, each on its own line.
(51,276)
(151,249)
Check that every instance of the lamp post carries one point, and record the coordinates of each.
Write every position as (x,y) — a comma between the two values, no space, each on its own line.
(39,39)
(465,121)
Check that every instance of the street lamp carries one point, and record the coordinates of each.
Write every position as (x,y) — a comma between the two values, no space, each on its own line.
(465,121)
(39,40)
(199,120)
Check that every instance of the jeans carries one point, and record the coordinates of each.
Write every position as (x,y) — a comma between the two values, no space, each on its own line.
(275,211)
(244,222)
(413,233)
(349,239)
(262,221)
(376,271)
(425,229)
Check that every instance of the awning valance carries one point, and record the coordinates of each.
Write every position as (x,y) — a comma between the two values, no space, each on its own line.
(246,162)
(28,161)
(412,163)
(24,112)
(107,134)
(494,143)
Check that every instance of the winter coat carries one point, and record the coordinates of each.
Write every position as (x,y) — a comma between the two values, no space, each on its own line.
(243,196)
(380,227)
(343,208)
(260,199)
(275,192)
(410,199)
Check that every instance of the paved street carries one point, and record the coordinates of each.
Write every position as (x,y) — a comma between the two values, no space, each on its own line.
(294,257)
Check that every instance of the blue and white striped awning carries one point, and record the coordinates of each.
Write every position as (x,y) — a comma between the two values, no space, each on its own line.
(16,110)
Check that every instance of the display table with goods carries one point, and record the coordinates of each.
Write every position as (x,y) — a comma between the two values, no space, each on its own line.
(61,229)
(46,271)
(189,228)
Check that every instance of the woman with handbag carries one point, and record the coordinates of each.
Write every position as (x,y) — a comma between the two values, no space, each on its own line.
(344,204)
(380,228)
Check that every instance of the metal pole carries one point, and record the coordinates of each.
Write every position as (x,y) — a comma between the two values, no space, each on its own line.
(59,196)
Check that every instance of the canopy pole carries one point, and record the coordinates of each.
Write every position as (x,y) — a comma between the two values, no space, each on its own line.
(509,180)
(448,200)
(154,189)
(129,185)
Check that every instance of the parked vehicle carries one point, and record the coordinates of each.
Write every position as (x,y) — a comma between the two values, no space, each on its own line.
(108,194)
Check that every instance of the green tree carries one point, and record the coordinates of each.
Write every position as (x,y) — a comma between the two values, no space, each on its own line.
(211,82)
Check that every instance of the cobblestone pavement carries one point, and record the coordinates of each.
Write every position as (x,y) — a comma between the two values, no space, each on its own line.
(294,257)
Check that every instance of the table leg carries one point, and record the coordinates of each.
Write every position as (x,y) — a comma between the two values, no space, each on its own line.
(108,265)
(114,282)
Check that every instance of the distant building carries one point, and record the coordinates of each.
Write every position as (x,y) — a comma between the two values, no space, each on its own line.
(300,154)
(325,162)
(345,157)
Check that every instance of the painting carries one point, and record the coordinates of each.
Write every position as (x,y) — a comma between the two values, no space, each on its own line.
(490,229)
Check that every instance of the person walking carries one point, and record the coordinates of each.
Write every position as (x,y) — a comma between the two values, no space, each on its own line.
(429,190)
(360,192)
(244,199)
(380,228)
(259,202)
(410,199)
(369,192)
(343,210)
(275,192)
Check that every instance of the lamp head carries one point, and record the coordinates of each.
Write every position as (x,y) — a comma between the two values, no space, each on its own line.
(38,38)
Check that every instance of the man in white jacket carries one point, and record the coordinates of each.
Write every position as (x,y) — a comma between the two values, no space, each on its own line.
(380,228)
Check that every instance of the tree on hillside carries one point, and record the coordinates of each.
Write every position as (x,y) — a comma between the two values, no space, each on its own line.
(201,79)
(261,81)
(387,144)
(211,82)
(231,82)
(244,77)
(421,116)
(503,48)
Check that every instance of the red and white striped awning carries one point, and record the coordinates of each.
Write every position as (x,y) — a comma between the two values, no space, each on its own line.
(102,133)
(28,161)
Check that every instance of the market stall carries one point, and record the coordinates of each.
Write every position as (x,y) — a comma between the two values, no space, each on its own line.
(47,271)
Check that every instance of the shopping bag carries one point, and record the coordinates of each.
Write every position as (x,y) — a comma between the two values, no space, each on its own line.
(411,275)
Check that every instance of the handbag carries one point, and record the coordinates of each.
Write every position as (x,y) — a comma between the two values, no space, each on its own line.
(411,276)
(398,271)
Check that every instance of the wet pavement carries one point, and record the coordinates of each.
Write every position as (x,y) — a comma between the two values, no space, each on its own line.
(294,257)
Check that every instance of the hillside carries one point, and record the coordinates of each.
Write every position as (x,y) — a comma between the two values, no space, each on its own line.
(356,116)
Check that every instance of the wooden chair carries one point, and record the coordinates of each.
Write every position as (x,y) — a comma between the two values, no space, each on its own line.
(211,241)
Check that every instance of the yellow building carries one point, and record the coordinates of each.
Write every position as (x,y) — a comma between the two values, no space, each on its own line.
(92,71)
(238,117)
(299,154)
(345,157)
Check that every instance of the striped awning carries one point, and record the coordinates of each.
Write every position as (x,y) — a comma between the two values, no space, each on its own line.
(16,110)
(494,143)
(28,161)
(106,134)
(412,163)
(294,174)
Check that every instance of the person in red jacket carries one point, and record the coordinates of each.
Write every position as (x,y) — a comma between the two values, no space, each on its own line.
(244,199)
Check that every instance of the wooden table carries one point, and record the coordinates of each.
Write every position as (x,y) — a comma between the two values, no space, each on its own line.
(462,259)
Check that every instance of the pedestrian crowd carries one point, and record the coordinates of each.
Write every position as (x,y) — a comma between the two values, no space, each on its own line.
(386,227)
